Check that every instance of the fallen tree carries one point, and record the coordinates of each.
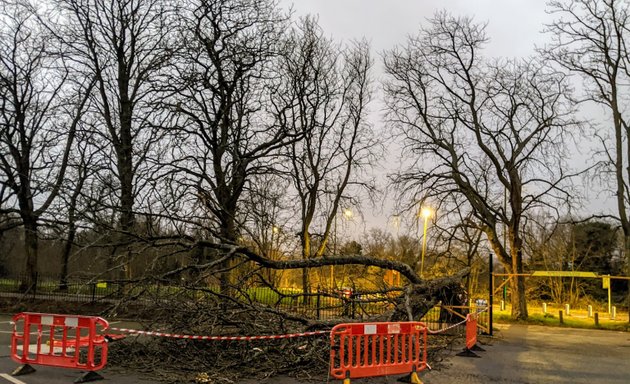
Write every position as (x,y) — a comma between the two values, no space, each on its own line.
(198,308)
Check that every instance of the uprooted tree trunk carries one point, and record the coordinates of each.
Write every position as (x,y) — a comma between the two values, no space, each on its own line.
(413,302)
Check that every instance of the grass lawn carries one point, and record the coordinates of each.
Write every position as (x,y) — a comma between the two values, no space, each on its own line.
(578,318)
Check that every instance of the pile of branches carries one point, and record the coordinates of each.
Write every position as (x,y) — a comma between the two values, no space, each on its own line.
(207,312)
(194,308)
(184,360)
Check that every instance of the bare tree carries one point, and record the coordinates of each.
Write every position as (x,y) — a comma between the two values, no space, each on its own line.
(39,111)
(71,200)
(590,39)
(479,130)
(123,45)
(458,244)
(325,97)
(222,125)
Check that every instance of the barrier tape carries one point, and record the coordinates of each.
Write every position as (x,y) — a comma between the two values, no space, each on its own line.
(221,338)
(431,332)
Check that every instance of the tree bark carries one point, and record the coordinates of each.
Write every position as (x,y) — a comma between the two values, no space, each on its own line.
(31,247)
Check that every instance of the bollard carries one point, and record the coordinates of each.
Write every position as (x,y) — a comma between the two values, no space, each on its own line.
(596,319)
(590,311)
(502,305)
(560,317)
(567,309)
(545,308)
(613,314)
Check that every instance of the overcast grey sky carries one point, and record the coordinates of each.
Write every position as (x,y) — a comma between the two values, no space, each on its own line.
(513,26)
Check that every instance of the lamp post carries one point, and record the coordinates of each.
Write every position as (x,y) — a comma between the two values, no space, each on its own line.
(426,212)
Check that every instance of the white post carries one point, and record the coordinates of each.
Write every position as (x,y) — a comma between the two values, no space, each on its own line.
(590,311)
(502,305)
(545,308)
(567,309)
(613,313)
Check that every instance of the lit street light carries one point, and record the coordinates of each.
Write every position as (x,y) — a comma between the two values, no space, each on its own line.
(426,212)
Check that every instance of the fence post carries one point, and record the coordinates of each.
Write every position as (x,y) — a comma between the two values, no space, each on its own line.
(560,317)
(93,292)
(545,308)
(567,308)
(354,305)
(613,314)
(590,311)
(318,304)
(35,283)
(596,319)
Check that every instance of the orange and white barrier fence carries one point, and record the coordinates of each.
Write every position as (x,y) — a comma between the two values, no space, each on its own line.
(378,349)
(471,337)
(64,341)
(358,350)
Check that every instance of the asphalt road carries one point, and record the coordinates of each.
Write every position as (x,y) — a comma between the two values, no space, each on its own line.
(49,375)
(519,354)
(535,354)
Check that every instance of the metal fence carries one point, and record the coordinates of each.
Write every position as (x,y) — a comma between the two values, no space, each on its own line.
(320,304)
(52,288)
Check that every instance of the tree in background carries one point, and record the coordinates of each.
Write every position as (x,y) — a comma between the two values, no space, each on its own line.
(324,97)
(458,245)
(222,125)
(41,103)
(590,246)
(124,46)
(480,130)
(590,39)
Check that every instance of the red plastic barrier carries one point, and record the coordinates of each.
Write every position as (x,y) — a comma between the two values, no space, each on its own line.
(65,341)
(471,337)
(471,331)
(378,349)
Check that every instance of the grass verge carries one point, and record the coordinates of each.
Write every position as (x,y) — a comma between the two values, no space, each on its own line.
(568,321)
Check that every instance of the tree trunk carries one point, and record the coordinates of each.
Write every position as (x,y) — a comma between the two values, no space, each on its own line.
(517,283)
(627,251)
(127,219)
(306,253)
(65,257)
(513,264)
(228,231)
(30,246)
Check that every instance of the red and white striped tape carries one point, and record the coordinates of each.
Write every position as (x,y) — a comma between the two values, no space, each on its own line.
(447,328)
(231,338)
(476,314)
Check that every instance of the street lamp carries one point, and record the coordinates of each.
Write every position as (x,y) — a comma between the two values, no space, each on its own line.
(425,212)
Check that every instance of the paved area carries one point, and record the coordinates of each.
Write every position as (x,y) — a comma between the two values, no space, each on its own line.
(519,354)
(536,354)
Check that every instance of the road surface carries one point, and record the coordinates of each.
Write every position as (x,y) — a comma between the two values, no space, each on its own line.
(519,354)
